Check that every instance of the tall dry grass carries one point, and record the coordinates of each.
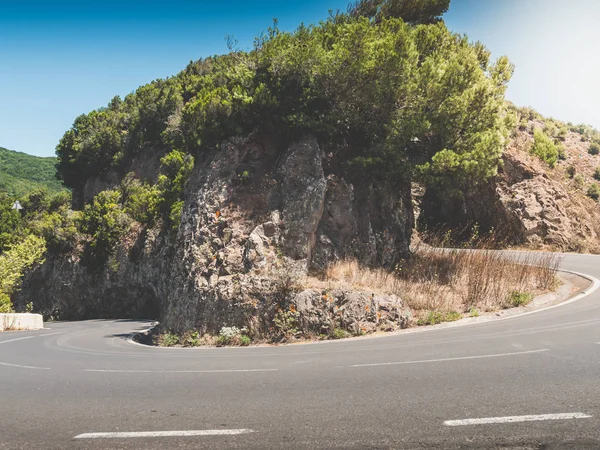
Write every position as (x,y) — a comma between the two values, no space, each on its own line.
(453,280)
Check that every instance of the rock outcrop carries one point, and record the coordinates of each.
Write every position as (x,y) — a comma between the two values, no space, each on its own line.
(255,221)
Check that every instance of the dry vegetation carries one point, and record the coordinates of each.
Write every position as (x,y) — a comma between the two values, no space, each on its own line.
(439,285)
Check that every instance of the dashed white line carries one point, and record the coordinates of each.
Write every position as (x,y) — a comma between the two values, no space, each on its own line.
(460,358)
(181,371)
(516,419)
(24,367)
(145,434)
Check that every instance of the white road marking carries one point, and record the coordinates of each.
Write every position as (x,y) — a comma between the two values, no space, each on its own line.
(515,419)
(24,367)
(145,434)
(181,371)
(31,337)
(460,358)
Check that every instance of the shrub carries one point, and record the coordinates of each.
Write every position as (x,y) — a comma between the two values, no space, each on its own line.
(105,221)
(517,298)
(191,339)
(233,336)
(594,148)
(544,148)
(571,170)
(579,181)
(13,264)
(597,174)
(168,339)
(339,333)
(594,191)
(140,200)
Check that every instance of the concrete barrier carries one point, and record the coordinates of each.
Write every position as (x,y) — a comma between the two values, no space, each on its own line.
(13,322)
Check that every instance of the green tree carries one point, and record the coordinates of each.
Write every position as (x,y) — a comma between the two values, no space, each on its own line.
(544,148)
(411,11)
(14,262)
(104,221)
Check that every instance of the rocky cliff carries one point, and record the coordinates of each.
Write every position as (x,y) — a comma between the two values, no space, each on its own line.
(529,204)
(255,219)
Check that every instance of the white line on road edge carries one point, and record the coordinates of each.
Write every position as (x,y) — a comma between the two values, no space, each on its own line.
(514,419)
(24,367)
(497,355)
(181,371)
(142,434)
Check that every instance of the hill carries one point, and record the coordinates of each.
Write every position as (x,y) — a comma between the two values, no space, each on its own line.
(21,173)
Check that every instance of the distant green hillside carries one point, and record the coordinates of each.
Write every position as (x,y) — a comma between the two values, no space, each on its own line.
(20,173)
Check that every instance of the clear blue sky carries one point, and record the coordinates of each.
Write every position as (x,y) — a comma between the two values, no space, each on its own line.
(59,59)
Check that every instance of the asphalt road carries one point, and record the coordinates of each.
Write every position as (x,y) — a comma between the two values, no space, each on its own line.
(535,379)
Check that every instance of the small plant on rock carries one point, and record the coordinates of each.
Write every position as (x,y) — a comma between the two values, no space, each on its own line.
(597,174)
(571,170)
(594,191)
(339,333)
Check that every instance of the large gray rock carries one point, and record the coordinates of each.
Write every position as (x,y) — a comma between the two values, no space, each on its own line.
(255,219)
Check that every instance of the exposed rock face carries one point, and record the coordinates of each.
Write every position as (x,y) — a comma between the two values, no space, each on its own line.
(527,204)
(357,312)
(255,219)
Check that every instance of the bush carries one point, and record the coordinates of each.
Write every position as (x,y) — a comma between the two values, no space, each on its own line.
(105,221)
(579,181)
(517,299)
(594,191)
(571,170)
(233,336)
(544,148)
(339,333)
(13,264)
(594,148)
(435,317)
(597,174)
(168,339)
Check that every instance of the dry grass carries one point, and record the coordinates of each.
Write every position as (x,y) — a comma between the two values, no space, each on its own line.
(449,281)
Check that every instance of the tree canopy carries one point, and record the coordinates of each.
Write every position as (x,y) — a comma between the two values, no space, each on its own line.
(400,96)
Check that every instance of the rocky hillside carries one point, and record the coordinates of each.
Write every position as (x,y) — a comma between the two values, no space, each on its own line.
(532,202)
(203,198)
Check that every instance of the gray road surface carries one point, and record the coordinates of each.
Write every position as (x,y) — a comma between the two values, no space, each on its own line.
(527,382)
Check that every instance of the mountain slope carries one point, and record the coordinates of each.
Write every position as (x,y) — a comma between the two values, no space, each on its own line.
(20,173)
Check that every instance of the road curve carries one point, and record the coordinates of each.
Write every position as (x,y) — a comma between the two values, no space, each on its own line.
(526,382)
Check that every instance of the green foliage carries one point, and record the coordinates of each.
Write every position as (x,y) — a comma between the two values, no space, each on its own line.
(286,323)
(411,11)
(571,170)
(544,148)
(168,340)
(597,174)
(10,222)
(105,222)
(594,191)
(392,96)
(140,199)
(517,299)
(473,312)
(13,264)
(594,148)
(21,173)
(435,317)
(339,333)
(191,339)
(579,181)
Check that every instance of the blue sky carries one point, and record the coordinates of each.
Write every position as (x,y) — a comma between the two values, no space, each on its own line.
(59,59)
